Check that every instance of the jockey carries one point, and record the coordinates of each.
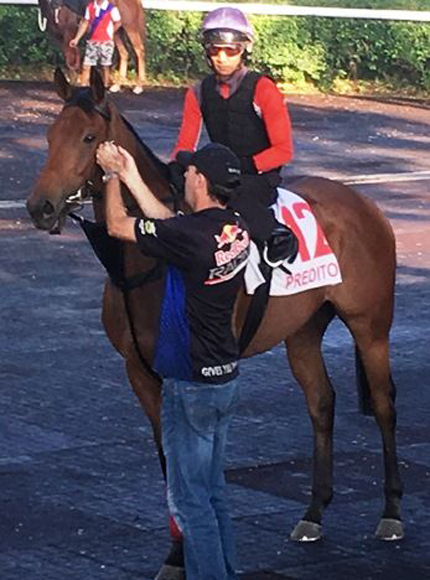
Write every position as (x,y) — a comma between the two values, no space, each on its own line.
(245,111)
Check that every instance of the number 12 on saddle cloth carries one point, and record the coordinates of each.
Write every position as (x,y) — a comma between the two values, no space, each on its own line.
(315,265)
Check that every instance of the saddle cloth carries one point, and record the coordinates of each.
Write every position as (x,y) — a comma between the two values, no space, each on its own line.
(315,265)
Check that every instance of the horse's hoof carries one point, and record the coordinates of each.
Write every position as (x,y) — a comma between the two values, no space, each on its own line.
(306,532)
(389,530)
(115,88)
(170,573)
(138,90)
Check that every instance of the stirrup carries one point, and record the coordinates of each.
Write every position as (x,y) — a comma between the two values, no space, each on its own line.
(277,264)
(268,260)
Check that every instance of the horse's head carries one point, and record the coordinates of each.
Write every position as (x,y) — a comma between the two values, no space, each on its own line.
(62,23)
(73,140)
(67,26)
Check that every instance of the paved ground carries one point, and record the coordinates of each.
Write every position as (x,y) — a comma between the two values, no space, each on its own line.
(81,496)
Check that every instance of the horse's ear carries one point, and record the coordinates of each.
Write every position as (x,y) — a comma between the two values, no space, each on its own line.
(63,88)
(97,86)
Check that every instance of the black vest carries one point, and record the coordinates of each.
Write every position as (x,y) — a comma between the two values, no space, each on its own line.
(233,122)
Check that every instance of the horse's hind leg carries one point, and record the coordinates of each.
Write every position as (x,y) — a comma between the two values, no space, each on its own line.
(147,391)
(307,365)
(371,337)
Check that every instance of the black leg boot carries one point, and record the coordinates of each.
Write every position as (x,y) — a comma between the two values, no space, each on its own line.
(282,245)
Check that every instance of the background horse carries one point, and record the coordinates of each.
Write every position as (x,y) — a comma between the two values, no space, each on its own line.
(356,230)
(63,17)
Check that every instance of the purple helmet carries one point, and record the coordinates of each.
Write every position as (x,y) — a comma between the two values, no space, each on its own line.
(226,26)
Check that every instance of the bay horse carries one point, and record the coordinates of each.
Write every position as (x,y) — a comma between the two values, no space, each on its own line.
(63,16)
(356,230)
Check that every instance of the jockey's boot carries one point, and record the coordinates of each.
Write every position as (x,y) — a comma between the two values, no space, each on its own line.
(282,245)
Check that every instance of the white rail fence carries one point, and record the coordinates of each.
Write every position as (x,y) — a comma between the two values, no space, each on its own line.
(273,10)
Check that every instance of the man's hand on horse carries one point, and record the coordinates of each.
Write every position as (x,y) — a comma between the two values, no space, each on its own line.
(109,158)
(116,160)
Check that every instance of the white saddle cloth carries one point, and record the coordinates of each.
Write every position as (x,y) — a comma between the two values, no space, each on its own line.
(315,265)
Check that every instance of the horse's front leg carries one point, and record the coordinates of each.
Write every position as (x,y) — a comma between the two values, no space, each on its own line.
(307,365)
(123,63)
(136,40)
(147,390)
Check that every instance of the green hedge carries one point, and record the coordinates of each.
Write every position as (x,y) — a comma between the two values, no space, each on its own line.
(300,50)
(22,43)
(294,50)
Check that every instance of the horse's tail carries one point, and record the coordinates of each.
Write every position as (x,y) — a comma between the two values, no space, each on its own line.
(363,390)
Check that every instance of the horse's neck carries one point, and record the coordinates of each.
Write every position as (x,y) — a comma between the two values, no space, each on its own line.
(148,170)
(123,136)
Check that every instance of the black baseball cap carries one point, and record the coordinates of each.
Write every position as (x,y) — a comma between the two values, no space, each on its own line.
(217,162)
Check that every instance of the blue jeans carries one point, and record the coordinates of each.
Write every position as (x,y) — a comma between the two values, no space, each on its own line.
(195,419)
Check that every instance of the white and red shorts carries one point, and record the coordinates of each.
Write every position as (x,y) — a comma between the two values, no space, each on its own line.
(99,53)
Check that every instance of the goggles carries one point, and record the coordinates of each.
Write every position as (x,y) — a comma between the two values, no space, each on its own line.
(234,50)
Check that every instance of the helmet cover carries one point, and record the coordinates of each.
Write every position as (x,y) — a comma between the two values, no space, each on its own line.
(227,26)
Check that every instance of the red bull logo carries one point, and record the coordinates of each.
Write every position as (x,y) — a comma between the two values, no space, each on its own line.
(229,235)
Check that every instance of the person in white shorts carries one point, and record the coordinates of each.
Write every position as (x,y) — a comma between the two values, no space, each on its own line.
(102,19)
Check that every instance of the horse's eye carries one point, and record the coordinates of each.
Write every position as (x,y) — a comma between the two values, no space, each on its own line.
(89,138)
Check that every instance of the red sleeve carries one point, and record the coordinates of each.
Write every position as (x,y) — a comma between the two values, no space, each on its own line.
(191,126)
(270,102)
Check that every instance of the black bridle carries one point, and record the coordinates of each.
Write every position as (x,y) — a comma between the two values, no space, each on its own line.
(82,98)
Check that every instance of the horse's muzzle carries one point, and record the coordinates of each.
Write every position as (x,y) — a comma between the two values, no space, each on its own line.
(72,58)
(42,213)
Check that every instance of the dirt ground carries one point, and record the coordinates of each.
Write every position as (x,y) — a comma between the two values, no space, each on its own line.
(81,494)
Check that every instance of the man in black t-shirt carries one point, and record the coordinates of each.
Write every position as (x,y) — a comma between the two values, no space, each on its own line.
(196,352)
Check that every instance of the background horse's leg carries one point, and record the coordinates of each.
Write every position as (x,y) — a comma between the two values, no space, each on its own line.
(135,37)
(147,390)
(307,365)
(123,63)
(371,336)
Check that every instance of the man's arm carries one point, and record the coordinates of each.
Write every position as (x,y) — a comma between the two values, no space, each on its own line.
(278,126)
(120,164)
(82,28)
(150,206)
(119,224)
(191,126)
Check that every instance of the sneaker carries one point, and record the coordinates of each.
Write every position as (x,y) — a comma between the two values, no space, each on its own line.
(115,88)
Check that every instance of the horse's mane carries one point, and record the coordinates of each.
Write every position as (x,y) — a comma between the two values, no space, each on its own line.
(160,165)
(82,97)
